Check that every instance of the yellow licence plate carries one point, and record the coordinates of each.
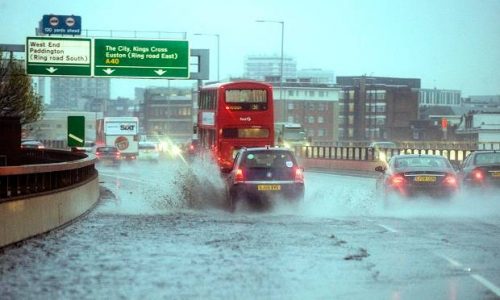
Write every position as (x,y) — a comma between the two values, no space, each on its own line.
(495,174)
(269,187)
(425,178)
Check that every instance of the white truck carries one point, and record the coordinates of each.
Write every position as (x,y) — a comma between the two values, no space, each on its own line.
(290,135)
(121,132)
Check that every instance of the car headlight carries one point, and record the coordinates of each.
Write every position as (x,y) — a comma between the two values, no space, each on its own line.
(176,150)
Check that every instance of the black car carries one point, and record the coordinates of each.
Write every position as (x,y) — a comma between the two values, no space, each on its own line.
(32,144)
(261,174)
(108,154)
(416,174)
(481,169)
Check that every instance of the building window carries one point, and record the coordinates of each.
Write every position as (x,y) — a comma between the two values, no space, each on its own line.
(321,120)
(311,106)
(290,105)
(290,119)
(321,107)
(310,119)
(312,93)
(290,93)
(321,94)
(321,132)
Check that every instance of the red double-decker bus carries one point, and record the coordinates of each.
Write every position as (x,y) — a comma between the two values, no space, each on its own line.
(234,115)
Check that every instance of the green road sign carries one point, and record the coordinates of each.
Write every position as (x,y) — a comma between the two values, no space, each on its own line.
(49,56)
(76,131)
(141,58)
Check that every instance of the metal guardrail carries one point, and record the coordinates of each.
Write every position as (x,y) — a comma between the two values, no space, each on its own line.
(444,145)
(45,171)
(369,154)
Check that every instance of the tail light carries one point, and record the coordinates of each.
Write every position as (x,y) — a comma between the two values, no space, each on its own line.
(98,153)
(397,180)
(450,180)
(477,174)
(299,175)
(239,176)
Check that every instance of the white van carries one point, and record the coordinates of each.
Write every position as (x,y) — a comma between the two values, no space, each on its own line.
(148,151)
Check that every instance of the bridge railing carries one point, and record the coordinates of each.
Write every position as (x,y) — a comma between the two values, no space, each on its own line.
(456,156)
(45,171)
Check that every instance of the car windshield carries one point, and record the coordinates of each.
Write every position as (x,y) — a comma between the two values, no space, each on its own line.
(487,158)
(421,162)
(268,159)
(107,149)
(147,147)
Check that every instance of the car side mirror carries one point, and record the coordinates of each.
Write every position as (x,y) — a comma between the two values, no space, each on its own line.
(380,169)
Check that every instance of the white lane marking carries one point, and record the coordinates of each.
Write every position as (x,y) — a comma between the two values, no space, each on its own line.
(450,260)
(495,289)
(485,282)
(388,228)
(126,178)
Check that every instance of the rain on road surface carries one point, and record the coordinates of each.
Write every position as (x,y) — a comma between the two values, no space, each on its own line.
(144,240)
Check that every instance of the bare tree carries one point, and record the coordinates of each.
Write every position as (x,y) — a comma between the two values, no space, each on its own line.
(17,97)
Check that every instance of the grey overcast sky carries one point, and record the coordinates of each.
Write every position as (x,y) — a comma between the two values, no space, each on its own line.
(449,44)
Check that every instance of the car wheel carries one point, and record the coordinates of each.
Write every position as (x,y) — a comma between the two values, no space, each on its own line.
(231,199)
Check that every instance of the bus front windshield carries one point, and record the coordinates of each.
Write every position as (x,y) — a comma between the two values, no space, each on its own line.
(246,96)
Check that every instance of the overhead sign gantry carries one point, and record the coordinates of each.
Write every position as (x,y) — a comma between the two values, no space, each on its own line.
(141,58)
(59,56)
(48,56)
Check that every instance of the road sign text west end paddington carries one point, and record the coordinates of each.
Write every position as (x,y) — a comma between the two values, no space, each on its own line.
(141,58)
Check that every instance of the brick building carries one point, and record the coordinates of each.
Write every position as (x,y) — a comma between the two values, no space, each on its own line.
(377,108)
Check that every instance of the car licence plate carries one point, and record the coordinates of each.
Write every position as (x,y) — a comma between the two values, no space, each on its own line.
(425,179)
(269,187)
(495,174)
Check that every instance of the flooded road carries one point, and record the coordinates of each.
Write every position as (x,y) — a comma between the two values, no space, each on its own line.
(147,240)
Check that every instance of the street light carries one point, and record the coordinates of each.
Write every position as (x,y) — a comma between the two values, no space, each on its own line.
(281,67)
(218,51)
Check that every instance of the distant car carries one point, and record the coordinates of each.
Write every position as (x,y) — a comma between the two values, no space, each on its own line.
(148,151)
(481,169)
(382,145)
(170,149)
(261,174)
(415,174)
(381,150)
(191,149)
(108,154)
(88,147)
(32,144)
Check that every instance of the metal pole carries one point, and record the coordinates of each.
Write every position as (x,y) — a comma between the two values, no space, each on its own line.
(218,50)
(218,57)
(281,71)
(283,106)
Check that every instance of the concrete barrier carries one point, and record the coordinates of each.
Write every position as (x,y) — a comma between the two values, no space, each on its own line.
(24,218)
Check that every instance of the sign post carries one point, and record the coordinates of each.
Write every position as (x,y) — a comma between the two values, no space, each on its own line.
(58,56)
(141,58)
(76,131)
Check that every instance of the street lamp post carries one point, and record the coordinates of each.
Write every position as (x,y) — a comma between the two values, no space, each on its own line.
(218,50)
(281,66)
